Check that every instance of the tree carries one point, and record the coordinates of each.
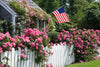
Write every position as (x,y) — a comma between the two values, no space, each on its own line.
(92,17)
(48,5)
(84,13)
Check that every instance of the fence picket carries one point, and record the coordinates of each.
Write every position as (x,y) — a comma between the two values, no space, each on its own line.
(28,58)
(16,56)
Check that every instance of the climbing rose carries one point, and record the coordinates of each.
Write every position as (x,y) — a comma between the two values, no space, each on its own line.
(51,65)
(47,65)
(23,56)
(1,50)
(81,61)
(1,65)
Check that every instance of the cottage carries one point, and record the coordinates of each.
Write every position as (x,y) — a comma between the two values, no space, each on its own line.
(7,13)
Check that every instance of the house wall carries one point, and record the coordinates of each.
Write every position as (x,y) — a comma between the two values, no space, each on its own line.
(4,14)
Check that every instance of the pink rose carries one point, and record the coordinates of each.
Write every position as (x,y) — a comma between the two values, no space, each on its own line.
(45,37)
(12,39)
(40,51)
(23,51)
(4,45)
(1,51)
(51,65)
(44,53)
(10,49)
(42,46)
(64,43)
(78,51)
(32,44)
(23,56)
(51,52)
(39,40)
(13,44)
(81,61)
(1,65)
(47,65)
(61,34)
(37,48)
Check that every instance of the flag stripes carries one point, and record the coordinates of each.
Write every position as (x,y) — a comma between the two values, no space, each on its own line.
(61,17)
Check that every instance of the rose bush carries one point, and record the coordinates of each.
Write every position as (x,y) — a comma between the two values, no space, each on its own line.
(6,42)
(28,16)
(32,39)
(85,43)
(36,41)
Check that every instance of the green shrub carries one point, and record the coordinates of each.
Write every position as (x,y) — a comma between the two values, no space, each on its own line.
(53,36)
(6,26)
(15,5)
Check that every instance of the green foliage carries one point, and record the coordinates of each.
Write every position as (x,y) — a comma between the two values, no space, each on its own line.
(20,25)
(84,41)
(15,5)
(48,5)
(28,17)
(53,36)
(85,13)
(6,26)
(64,3)
(82,13)
(51,26)
(90,1)
(51,5)
(61,26)
(92,17)
(76,10)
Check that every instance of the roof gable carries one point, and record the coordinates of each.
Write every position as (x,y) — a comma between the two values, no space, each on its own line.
(30,3)
(4,5)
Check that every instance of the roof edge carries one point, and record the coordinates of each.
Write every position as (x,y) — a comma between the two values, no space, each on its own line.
(12,12)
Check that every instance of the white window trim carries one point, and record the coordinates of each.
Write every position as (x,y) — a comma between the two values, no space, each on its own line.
(38,24)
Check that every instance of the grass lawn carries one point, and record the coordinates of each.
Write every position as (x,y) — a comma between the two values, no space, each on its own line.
(95,63)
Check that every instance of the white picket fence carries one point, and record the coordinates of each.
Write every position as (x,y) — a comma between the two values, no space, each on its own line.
(61,57)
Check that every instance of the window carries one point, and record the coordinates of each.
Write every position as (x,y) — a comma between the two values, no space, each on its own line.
(41,25)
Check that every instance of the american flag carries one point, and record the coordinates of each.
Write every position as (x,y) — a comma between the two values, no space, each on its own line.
(60,15)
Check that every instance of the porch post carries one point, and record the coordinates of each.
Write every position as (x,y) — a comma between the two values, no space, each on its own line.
(37,24)
(44,24)
(13,22)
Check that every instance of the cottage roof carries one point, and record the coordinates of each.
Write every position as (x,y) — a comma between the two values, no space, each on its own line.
(30,3)
(5,4)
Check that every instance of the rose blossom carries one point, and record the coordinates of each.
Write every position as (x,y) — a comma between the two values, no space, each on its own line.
(47,65)
(1,65)
(81,61)
(23,56)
